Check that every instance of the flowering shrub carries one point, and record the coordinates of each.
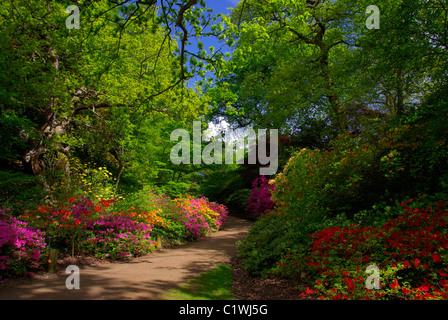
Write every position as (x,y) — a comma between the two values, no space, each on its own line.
(340,179)
(20,246)
(176,220)
(200,216)
(151,218)
(116,237)
(86,179)
(66,222)
(316,186)
(110,230)
(222,211)
(260,202)
(410,252)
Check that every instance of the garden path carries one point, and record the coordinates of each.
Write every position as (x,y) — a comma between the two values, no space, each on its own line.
(141,278)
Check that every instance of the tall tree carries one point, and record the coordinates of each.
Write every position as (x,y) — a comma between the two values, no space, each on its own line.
(100,87)
(295,60)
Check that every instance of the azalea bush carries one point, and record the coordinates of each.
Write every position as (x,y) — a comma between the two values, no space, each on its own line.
(106,229)
(410,252)
(357,179)
(65,223)
(116,237)
(317,188)
(200,216)
(175,220)
(260,201)
(20,246)
(340,179)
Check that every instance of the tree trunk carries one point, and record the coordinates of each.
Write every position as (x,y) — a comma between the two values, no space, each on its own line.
(400,95)
(120,172)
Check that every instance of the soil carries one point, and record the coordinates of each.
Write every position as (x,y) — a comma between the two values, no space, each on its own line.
(248,287)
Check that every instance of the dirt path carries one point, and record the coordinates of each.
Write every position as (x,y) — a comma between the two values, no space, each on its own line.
(141,278)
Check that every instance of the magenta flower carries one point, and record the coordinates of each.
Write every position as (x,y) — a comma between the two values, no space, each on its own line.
(260,202)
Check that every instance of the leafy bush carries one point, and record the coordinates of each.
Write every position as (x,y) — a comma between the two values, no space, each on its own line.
(356,179)
(237,201)
(315,187)
(414,158)
(86,179)
(340,179)
(18,190)
(266,242)
(20,246)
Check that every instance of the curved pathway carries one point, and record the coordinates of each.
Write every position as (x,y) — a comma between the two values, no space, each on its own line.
(141,278)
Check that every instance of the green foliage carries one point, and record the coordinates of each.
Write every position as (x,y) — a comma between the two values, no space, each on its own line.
(109,93)
(335,180)
(19,190)
(14,134)
(237,202)
(269,239)
(175,189)
(219,181)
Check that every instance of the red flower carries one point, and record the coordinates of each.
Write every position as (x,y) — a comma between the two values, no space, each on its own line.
(394,284)
(72,199)
(406,291)
(436,257)
(349,284)
(416,262)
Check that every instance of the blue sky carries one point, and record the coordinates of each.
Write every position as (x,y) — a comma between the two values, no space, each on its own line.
(218,6)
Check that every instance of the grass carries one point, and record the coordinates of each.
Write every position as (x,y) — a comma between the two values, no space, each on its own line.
(215,284)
